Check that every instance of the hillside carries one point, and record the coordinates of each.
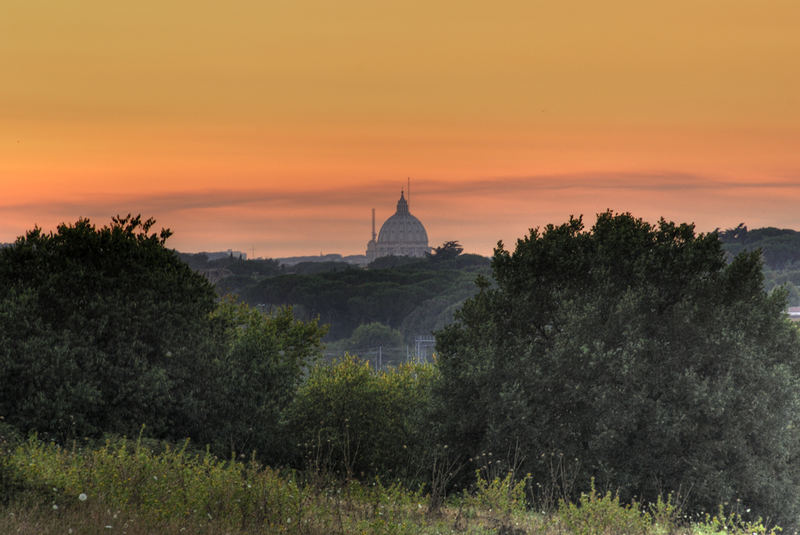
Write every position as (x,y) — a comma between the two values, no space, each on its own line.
(413,296)
(780,251)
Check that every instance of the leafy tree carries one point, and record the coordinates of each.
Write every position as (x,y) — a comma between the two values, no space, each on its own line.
(374,334)
(634,354)
(97,329)
(358,423)
(391,262)
(375,342)
(447,251)
(346,299)
(780,248)
(254,379)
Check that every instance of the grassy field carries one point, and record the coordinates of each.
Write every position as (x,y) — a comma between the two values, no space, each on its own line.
(124,487)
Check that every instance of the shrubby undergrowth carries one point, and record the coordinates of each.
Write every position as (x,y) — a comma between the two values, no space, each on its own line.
(125,487)
(351,421)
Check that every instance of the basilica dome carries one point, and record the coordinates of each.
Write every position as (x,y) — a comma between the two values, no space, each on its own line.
(401,235)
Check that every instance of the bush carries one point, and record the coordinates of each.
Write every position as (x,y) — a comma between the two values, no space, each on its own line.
(173,484)
(597,514)
(98,328)
(262,360)
(358,423)
(636,354)
(502,499)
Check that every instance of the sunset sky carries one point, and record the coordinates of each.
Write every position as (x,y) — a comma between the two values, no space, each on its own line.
(275,126)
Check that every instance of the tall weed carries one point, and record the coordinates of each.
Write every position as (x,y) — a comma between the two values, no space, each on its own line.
(597,514)
(170,485)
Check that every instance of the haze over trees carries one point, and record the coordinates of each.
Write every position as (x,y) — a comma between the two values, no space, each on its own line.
(412,295)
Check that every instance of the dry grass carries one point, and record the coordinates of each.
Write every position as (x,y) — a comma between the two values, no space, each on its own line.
(131,490)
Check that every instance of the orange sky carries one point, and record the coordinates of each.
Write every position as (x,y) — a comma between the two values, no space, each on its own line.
(275,126)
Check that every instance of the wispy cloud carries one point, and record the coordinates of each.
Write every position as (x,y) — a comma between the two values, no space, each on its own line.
(478,212)
(365,195)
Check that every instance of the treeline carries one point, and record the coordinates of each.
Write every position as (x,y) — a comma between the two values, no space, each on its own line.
(780,249)
(629,356)
(414,296)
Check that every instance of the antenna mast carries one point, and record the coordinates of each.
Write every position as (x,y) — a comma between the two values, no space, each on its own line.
(373,224)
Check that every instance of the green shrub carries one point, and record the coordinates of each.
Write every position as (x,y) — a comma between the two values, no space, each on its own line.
(638,354)
(262,360)
(355,422)
(10,481)
(175,491)
(173,484)
(501,500)
(597,514)
(99,327)
(732,523)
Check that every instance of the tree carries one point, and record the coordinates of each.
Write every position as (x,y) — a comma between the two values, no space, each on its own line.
(100,330)
(636,356)
(359,423)
(447,251)
(369,336)
(254,379)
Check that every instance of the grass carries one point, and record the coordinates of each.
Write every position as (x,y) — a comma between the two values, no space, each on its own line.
(124,487)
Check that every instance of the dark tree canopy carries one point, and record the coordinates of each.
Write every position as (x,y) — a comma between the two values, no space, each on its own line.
(252,379)
(446,251)
(780,248)
(99,328)
(637,356)
(410,296)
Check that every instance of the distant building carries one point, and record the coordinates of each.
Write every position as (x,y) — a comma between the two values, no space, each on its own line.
(793,313)
(401,235)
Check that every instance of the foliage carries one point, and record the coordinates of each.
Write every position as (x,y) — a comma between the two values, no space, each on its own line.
(356,422)
(95,325)
(780,247)
(375,334)
(261,362)
(447,251)
(236,266)
(393,262)
(373,341)
(780,250)
(503,496)
(170,485)
(392,296)
(733,524)
(636,353)
(10,480)
(597,514)
(123,486)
